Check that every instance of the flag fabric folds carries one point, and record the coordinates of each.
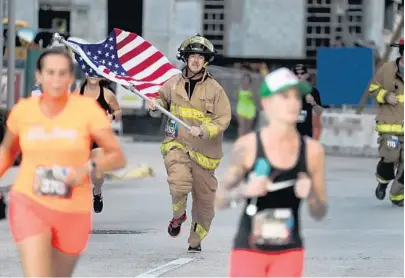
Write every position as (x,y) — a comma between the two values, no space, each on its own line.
(127,59)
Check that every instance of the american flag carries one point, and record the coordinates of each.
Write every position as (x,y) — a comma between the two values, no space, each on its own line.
(127,59)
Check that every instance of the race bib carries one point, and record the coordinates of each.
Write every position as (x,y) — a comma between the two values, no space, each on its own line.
(47,184)
(303,116)
(171,129)
(272,227)
(393,142)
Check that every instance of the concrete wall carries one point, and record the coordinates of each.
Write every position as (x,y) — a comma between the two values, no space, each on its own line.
(255,28)
(89,19)
(182,19)
(27,10)
(266,28)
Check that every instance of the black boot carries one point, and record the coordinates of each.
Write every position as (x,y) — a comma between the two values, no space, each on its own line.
(399,203)
(380,191)
(196,249)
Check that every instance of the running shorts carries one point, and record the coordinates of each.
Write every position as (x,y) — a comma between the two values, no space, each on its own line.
(250,263)
(70,231)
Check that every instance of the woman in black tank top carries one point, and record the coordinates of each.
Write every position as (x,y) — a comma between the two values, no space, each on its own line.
(280,168)
(95,87)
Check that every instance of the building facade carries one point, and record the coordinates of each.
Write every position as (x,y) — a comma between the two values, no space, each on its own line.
(288,29)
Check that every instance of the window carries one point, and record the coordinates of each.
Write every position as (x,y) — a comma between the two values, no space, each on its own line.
(214,23)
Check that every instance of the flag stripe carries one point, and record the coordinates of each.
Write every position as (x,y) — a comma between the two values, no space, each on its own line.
(125,39)
(148,66)
(161,79)
(135,55)
(139,58)
(129,45)
(118,33)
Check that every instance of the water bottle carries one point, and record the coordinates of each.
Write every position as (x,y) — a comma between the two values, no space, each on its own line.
(59,172)
(262,169)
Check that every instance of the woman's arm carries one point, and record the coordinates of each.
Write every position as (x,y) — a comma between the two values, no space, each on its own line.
(113,102)
(317,199)
(242,154)
(9,150)
(113,157)
(100,131)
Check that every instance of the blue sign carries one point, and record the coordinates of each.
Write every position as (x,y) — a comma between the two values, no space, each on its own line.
(343,74)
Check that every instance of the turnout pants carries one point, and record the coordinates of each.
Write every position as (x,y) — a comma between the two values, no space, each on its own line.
(185,176)
(392,157)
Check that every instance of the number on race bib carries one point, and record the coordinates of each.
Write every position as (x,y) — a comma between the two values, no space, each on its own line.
(272,227)
(393,142)
(171,129)
(48,185)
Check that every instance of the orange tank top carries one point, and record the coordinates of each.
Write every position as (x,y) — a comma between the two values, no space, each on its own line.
(64,140)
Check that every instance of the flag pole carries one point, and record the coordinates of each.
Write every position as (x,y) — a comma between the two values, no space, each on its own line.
(132,88)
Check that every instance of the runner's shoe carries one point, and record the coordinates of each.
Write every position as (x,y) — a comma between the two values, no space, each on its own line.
(98,203)
(196,249)
(380,191)
(174,227)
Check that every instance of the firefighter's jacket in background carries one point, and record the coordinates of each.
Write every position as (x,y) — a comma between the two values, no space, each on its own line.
(389,118)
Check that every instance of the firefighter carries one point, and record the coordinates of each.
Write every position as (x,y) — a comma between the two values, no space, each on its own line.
(191,157)
(387,89)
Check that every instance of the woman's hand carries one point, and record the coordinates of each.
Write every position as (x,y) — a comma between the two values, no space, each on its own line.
(76,175)
(221,198)
(303,186)
(256,187)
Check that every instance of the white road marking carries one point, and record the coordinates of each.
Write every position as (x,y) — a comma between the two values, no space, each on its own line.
(156,272)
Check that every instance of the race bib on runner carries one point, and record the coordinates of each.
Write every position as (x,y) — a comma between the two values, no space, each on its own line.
(303,116)
(393,142)
(272,227)
(171,129)
(47,184)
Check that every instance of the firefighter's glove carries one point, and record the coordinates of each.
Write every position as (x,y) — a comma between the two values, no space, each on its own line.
(196,131)
(391,98)
(152,104)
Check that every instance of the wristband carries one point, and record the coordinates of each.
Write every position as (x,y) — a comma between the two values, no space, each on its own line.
(92,165)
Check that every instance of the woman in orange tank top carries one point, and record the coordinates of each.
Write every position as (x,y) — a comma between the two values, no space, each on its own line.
(49,205)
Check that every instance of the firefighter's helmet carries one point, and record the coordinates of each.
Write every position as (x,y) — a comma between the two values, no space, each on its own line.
(196,44)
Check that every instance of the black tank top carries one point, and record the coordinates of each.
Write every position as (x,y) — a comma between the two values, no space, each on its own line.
(101,99)
(283,198)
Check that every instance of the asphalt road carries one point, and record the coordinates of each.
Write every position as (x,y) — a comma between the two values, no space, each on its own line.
(360,236)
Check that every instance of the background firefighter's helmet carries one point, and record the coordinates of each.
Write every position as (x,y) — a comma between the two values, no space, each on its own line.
(196,44)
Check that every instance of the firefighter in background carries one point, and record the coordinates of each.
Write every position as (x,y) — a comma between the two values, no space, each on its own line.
(191,157)
(387,89)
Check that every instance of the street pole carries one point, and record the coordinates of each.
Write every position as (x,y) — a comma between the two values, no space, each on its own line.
(11,33)
(1,44)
